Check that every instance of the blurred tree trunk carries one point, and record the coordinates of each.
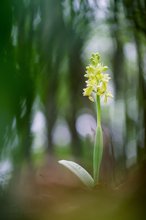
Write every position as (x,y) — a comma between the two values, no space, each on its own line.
(75,82)
(118,66)
(51,111)
(135,13)
(118,57)
(7,70)
(77,26)
(52,48)
(25,139)
(25,61)
(141,148)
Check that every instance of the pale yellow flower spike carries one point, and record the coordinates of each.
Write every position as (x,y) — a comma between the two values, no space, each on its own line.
(97,80)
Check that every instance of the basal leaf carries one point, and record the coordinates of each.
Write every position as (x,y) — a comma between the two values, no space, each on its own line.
(79,171)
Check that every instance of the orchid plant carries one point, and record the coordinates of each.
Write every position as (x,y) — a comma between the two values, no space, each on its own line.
(96,87)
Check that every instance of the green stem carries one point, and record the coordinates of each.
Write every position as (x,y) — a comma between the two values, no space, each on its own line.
(98,109)
(98,145)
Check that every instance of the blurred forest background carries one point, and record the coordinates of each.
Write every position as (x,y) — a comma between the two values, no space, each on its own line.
(44,48)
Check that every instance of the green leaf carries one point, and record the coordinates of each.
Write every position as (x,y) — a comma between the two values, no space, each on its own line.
(98,152)
(79,171)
